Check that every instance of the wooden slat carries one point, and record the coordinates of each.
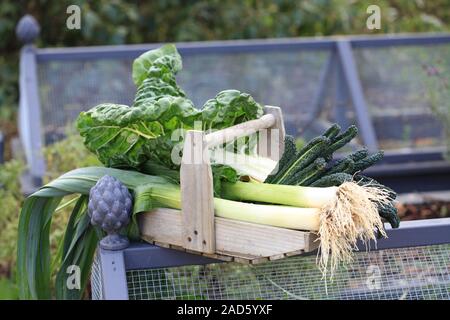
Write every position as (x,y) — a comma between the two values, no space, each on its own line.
(197,199)
(229,258)
(233,237)
(162,244)
(277,257)
(294,253)
(242,260)
(259,260)
(257,240)
(218,257)
(311,242)
(237,255)
(177,248)
(240,130)
(274,134)
(161,225)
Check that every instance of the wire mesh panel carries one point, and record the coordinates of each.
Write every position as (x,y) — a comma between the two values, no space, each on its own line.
(288,79)
(408,273)
(96,279)
(68,87)
(406,89)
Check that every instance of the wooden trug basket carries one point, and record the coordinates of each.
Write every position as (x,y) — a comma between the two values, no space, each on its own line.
(195,229)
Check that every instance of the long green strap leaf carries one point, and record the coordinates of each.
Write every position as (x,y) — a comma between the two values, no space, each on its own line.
(33,247)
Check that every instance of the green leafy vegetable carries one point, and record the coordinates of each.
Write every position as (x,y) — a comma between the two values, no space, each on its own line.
(302,159)
(166,56)
(127,137)
(332,131)
(229,107)
(335,179)
(145,134)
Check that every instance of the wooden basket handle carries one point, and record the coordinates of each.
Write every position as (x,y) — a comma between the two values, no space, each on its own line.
(240,130)
(196,182)
(272,120)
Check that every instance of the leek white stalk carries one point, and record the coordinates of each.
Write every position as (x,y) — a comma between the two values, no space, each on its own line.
(273,215)
(305,197)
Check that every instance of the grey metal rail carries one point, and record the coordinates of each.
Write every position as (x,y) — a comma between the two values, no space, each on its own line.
(141,256)
(232,46)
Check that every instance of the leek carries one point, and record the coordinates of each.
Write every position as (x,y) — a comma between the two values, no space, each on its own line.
(273,215)
(306,197)
(340,216)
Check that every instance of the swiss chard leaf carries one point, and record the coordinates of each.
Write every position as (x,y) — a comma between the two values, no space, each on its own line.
(159,82)
(229,107)
(127,137)
(222,173)
(143,64)
(123,136)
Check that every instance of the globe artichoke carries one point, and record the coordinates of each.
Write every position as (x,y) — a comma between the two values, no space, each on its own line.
(109,208)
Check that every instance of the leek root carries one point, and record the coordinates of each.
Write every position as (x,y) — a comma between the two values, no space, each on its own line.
(346,213)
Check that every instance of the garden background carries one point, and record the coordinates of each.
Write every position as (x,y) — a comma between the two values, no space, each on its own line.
(110,22)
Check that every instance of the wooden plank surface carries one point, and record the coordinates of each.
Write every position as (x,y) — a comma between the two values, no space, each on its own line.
(245,259)
(197,199)
(233,237)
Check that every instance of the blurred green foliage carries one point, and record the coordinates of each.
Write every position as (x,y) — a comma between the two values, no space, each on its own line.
(12,198)
(66,155)
(8,290)
(61,157)
(119,21)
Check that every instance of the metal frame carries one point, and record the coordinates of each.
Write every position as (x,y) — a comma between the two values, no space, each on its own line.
(341,61)
(115,264)
(30,114)
(250,45)
(350,77)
